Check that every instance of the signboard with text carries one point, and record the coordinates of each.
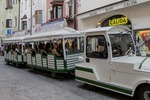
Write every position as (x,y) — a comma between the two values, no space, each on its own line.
(116,20)
(51,25)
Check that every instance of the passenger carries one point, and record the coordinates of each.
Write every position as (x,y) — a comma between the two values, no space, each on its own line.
(18,49)
(67,46)
(47,49)
(43,50)
(102,49)
(56,50)
(116,49)
(60,50)
(35,48)
(31,50)
(74,45)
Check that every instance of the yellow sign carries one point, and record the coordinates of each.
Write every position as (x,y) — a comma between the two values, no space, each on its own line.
(118,21)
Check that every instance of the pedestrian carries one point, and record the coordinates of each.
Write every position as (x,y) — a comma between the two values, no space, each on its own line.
(2,50)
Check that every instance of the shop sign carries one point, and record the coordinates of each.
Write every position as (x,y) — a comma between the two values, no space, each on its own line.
(118,21)
(93,13)
(8,31)
(109,9)
(130,3)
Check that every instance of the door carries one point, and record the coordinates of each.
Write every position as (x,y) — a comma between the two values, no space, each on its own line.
(97,53)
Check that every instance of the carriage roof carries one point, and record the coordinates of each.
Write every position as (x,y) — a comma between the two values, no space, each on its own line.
(108,30)
(57,33)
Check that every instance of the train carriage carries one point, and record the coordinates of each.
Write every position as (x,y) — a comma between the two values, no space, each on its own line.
(71,54)
(11,56)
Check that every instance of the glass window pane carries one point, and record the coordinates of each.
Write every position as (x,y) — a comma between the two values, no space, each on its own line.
(121,43)
(74,45)
(96,47)
(59,11)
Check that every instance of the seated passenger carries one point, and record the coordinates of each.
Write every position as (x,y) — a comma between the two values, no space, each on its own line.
(43,50)
(18,49)
(102,51)
(74,45)
(31,50)
(116,49)
(47,49)
(56,50)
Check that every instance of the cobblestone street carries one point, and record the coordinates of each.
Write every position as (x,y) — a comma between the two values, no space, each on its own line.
(21,84)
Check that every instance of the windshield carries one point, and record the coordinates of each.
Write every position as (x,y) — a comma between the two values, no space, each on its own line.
(121,43)
(74,45)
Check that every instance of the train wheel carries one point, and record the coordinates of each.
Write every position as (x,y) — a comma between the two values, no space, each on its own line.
(53,74)
(7,62)
(144,93)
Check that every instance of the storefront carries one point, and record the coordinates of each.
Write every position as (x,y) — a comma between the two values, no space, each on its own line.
(135,15)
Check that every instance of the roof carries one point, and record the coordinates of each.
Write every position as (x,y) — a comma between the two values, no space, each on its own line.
(48,35)
(17,37)
(108,29)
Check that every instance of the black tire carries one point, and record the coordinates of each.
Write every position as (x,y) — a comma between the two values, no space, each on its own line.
(53,74)
(7,62)
(144,93)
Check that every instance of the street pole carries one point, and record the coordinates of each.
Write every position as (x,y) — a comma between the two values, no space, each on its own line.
(19,17)
(31,20)
(75,11)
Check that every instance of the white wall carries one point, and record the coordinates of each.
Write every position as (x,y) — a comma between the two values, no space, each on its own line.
(138,15)
(38,5)
(86,5)
(26,12)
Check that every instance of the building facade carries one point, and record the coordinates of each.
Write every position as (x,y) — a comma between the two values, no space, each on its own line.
(62,9)
(9,14)
(36,8)
(133,14)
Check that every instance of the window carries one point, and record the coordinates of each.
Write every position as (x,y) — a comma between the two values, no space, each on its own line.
(38,17)
(96,47)
(9,4)
(24,25)
(57,11)
(70,8)
(74,45)
(15,22)
(8,23)
(121,44)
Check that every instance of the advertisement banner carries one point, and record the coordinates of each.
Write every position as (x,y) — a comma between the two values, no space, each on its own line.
(51,25)
(143,42)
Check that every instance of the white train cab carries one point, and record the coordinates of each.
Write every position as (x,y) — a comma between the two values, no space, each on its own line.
(110,62)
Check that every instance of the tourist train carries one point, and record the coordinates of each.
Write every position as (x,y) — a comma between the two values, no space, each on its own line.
(56,51)
(104,57)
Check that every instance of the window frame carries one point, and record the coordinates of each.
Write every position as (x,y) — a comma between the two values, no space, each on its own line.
(8,23)
(55,11)
(97,44)
(23,25)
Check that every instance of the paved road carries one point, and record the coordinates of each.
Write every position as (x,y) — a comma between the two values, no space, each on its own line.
(21,84)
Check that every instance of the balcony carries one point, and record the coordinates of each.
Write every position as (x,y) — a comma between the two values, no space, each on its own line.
(53,2)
